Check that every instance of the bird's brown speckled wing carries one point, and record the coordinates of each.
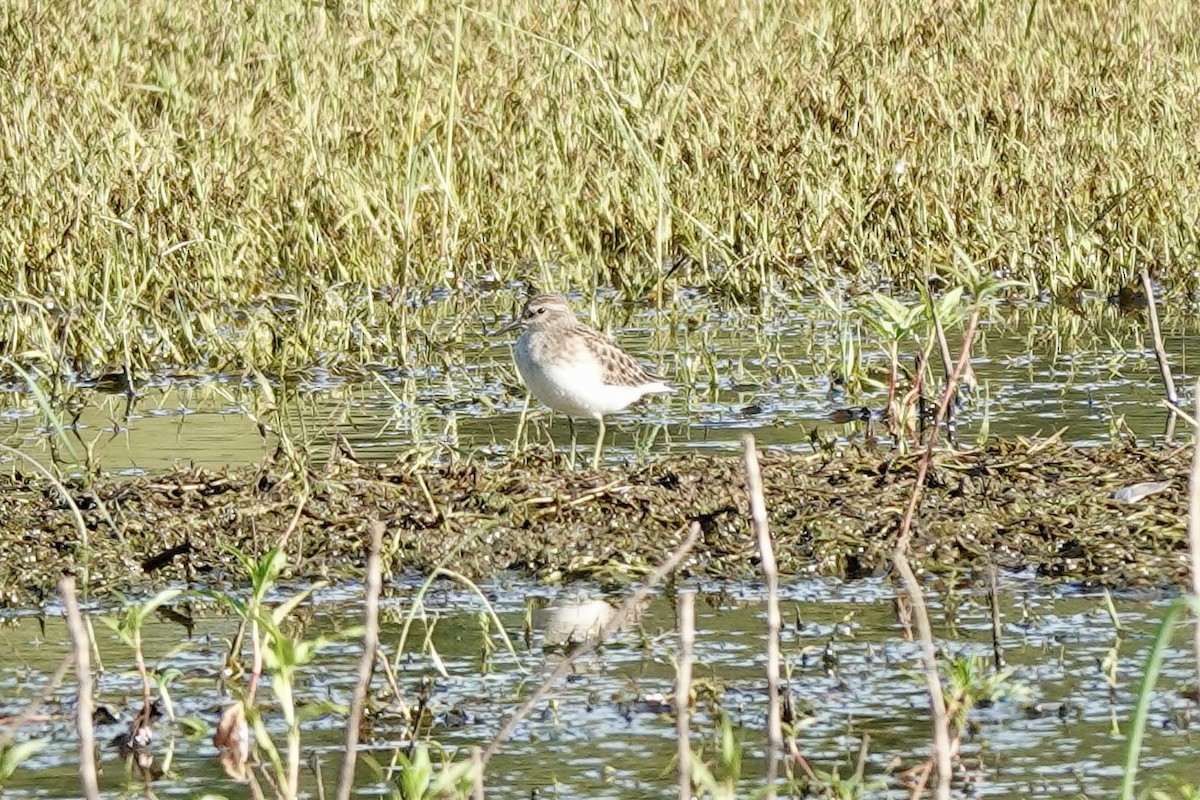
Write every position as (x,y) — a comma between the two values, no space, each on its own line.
(620,368)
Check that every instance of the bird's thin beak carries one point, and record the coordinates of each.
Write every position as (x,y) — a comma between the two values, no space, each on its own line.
(516,323)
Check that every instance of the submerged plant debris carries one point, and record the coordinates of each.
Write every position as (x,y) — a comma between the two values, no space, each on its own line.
(1039,505)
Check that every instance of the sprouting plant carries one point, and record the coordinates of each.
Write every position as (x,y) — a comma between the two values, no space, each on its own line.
(419,780)
(1110,665)
(895,322)
(269,413)
(925,321)
(55,423)
(720,779)
(645,439)
(847,362)
(835,787)
(971,682)
(129,628)
(278,653)
(417,609)
(163,680)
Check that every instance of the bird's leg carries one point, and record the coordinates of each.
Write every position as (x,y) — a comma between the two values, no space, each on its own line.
(571,425)
(521,421)
(599,446)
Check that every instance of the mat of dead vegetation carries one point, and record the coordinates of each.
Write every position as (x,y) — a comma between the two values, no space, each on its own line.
(1028,505)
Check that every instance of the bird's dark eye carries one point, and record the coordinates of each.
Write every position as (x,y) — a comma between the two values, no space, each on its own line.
(542,310)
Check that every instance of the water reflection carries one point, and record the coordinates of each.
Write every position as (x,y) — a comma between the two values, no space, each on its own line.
(607,731)
(574,620)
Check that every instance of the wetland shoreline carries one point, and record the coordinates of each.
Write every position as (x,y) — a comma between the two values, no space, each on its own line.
(1027,504)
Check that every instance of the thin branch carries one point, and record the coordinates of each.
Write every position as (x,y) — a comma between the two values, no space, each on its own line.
(1194,521)
(914,396)
(997,629)
(35,705)
(933,681)
(766,553)
(1179,412)
(81,645)
(937,701)
(366,664)
(1160,350)
(477,774)
(683,692)
(914,499)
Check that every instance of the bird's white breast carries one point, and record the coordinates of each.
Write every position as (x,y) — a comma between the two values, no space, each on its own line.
(574,386)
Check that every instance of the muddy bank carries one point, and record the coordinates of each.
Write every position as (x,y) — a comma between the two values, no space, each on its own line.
(1043,505)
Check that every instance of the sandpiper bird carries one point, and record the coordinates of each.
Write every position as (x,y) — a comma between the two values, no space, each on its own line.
(574,369)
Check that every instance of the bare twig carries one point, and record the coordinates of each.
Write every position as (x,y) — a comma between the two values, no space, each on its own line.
(1194,521)
(766,553)
(997,631)
(915,395)
(366,664)
(860,766)
(477,773)
(933,681)
(967,378)
(35,705)
(1179,412)
(1160,350)
(798,758)
(565,665)
(293,525)
(941,721)
(947,396)
(683,691)
(315,762)
(390,676)
(81,645)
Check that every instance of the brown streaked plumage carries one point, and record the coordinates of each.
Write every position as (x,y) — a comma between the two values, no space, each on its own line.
(575,369)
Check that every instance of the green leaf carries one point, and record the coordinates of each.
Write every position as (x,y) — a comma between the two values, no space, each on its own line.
(12,757)
(235,604)
(284,609)
(143,610)
(320,708)
(118,627)
(264,574)
(167,676)
(949,306)
(415,774)
(702,776)
(193,727)
(452,776)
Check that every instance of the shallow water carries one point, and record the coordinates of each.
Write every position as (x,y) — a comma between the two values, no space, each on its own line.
(1040,369)
(1060,730)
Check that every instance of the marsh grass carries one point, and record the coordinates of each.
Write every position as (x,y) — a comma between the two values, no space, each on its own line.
(207,184)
